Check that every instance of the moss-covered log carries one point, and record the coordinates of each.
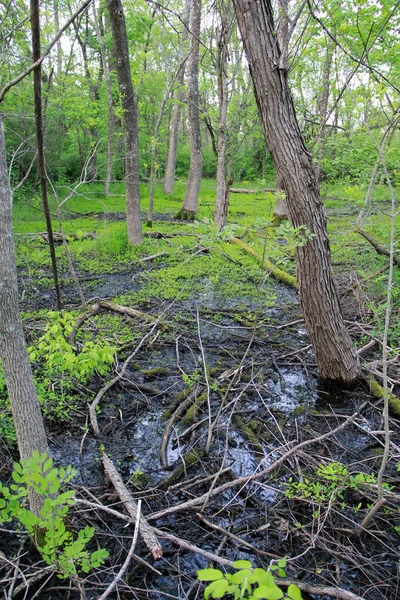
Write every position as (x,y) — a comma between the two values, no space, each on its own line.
(276,273)
(377,390)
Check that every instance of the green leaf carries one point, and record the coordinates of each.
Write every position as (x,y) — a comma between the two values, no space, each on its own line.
(209,574)
(242,564)
(293,592)
(210,589)
(240,576)
(269,592)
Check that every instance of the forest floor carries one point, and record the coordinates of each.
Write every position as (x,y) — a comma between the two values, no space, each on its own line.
(219,424)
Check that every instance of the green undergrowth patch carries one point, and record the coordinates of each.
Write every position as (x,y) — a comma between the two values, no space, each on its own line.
(186,275)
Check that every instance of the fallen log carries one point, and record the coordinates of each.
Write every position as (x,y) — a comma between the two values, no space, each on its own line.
(276,273)
(247,191)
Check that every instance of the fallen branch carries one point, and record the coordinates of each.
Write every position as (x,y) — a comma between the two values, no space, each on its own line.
(153,256)
(249,478)
(382,250)
(377,390)
(124,567)
(147,532)
(333,592)
(169,426)
(131,312)
(247,191)
(58,237)
(80,320)
(276,273)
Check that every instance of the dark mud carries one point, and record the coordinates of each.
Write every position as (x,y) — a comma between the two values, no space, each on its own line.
(275,402)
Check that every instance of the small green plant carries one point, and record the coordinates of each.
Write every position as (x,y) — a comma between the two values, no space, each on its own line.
(335,480)
(248,582)
(191,379)
(59,547)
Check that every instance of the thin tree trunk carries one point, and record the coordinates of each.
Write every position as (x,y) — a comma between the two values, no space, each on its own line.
(222,190)
(170,164)
(28,420)
(35,26)
(118,27)
(323,108)
(110,103)
(331,342)
(191,203)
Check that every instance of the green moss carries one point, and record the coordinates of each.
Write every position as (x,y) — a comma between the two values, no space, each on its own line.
(248,432)
(155,372)
(192,413)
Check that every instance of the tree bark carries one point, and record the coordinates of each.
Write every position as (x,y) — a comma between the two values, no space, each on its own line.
(170,164)
(110,102)
(331,342)
(118,27)
(222,190)
(191,202)
(28,420)
(37,84)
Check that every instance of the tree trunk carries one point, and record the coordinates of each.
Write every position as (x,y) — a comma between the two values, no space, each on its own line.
(222,190)
(170,164)
(323,108)
(28,421)
(331,342)
(118,27)
(110,102)
(37,86)
(191,203)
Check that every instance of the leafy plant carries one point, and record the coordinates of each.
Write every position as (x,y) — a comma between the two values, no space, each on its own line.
(248,582)
(59,547)
(60,356)
(335,481)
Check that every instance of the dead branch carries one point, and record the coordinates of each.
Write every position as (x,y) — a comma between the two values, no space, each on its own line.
(333,592)
(131,312)
(153,256)
(238,539)
(249,478)
(124,567)
(275,272)
(382,250)
(146,530)
(80,320)
(246,191)
(176,414)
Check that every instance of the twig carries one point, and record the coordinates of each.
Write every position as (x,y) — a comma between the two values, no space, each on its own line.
(124,567)
(249,478)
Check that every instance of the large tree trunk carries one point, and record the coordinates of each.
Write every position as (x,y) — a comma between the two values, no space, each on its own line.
(191,202)
(170,163)
(28,421)
(331,342)
(118,27)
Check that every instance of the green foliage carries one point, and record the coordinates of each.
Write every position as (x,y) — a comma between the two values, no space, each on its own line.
(65,552)
(247,582)
(59,357)
(335,480)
